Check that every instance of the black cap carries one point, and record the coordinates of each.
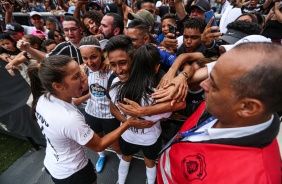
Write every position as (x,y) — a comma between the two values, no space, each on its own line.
(203,5)
(13,28)
(110,8)
(232,36)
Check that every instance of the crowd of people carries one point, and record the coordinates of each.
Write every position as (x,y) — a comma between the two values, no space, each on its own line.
(121,74)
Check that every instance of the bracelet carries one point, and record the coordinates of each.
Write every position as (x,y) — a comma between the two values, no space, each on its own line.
(185,74)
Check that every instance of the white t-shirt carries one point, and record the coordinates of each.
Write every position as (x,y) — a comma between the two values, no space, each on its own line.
(145,136)
(65,130)
(98,105)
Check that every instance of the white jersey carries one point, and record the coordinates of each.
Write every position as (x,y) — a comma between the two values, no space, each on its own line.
(145,136)
(65,131)
(98,105)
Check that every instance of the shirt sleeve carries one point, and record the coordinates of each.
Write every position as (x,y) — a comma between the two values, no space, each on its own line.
(77,129)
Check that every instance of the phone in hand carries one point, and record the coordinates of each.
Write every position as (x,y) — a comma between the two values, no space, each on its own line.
(209,15)
(172,29)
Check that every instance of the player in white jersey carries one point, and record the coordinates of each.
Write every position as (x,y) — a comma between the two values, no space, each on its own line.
(53,84)
(97,110)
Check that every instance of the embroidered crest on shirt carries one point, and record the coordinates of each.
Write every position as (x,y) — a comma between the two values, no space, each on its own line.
(194,167)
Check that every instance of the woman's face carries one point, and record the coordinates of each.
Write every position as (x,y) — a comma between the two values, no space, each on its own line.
(91,25)
(58,37)
(91,56)
(73,83)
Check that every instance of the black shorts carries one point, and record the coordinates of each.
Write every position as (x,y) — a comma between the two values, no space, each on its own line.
(150,152)
(86,175)
(99,125)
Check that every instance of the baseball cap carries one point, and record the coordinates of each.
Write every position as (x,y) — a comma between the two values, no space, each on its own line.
(232,36)
(159,4)
(13,28)
(70,10)
(34,13)
(203,5)
(110,8)
(94,2)
(247,39)
(144,15)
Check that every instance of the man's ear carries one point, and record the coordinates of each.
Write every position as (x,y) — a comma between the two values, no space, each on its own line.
(147,39)
(150,28)
(116,31)
(58,87)
(250,107)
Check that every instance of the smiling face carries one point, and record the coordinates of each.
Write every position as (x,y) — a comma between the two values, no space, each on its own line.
(72,31)
(165,25)
(120,63)
(37,21)
(91,56)
(191,39)
(58,37)
(91,25)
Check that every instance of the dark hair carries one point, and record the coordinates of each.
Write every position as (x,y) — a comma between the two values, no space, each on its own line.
(51,34)
(253,17)
(117,22)
(33,40)
(122,42)
(71,18)
(260,18)
(140,25)
(148,1)
(49,19)
(42,76)
(196,23)
(95,16)
(263,81)
(170,16)
(90,40)
(142,78)
(250,28)
(47,43)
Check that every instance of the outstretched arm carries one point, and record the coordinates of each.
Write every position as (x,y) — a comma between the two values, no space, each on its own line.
(35,54)
(135,110)
(180,10)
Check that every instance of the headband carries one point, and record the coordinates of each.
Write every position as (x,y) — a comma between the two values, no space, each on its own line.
(96,46)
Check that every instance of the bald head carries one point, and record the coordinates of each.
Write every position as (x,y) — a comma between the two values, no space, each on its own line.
(259,68)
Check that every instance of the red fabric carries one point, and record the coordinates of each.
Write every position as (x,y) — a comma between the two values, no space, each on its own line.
(223,164)
(217,163)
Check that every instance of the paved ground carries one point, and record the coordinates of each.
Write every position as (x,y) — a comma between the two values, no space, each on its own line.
(29,169)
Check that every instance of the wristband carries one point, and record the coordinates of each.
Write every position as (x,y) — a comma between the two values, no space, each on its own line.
(185,74)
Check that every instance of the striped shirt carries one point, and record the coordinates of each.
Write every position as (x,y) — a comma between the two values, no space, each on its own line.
(67,48)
